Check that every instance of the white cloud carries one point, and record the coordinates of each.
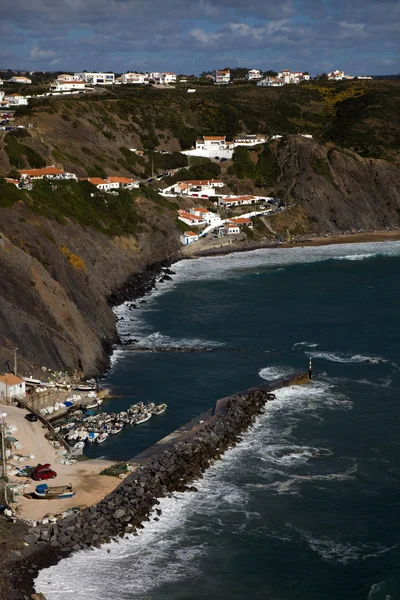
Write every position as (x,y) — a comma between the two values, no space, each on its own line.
(40,54)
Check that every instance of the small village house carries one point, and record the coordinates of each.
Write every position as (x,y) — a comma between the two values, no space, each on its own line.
(222,77)
(168,78)
(96,78)
(46,173)
(133,78)
(242,222)
(271,82)
(10,387)
(237,201)
(190,219)
(16,100)
(336,75)
(253,74)
(188,238)
(66,85)
(209,217)
(19,79)
(231,229)
(113,183)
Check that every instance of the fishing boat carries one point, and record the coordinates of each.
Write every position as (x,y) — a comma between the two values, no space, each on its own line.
(79,445)
(159,409)
(116,428)
(142,418)
(52,493)
(102,437)
(92,437)
(95,404)
(85,388)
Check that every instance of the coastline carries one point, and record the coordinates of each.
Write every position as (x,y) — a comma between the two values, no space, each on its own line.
(317,240)
(25,567)
(187,453)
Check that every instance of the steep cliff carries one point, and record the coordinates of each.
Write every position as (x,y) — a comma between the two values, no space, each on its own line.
(56,280)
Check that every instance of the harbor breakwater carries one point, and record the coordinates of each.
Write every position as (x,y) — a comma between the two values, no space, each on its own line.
(171,465)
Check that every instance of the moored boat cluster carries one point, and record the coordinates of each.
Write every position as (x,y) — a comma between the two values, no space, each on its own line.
(83,427)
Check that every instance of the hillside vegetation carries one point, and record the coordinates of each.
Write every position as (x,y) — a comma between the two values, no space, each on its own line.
(92,134)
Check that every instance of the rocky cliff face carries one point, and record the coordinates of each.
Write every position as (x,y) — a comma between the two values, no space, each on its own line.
(336,189)
(56,281)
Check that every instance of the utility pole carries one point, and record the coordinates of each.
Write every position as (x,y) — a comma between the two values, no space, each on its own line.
(15,361)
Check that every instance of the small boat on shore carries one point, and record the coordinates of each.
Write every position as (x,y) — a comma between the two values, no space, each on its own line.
(52,493)
(159,409)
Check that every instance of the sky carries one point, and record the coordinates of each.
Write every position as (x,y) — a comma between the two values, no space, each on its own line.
(361,37)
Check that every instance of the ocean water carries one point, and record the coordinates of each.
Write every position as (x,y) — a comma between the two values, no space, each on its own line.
(306,507)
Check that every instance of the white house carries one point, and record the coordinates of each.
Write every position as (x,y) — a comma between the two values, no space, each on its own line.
(237,201)
(67,77)
(11,386)
(133,78)
(16,100)
(204,186)
(249,140)
(222,77)
(212,146)
(46,173)
(168,78)
(188,238)
(253,74)
(113,183)
(209,217)
(336,75)
(1,81)
(242,222)
(190,219)
(156,76)
(18,79)
(271,82)
(231,229)
(61,85)
(96,78)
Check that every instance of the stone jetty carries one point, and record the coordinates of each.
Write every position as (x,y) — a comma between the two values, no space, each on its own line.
(171,465)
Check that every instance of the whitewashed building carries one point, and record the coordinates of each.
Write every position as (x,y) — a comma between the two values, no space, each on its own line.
(66,85)
(46,173)
(271,82)
(19,79)
(113,183)
(189,219)
(10,387)
(209,217)
(336,75)
(237,201)
(16,100)
(231,229)
(188,238)
(253,74)
(96,78)
(249,140)
(222,77)
(168,78)
(133,78)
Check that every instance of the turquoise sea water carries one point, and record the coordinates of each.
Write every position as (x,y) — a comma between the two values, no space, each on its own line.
(307,506)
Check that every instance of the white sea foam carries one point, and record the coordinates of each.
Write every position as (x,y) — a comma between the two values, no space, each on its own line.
(306,344)
(343,552)
(346,358)
(356,256)
(275,372)
(159,340)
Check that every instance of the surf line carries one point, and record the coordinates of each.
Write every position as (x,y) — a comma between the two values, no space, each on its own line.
(168,466)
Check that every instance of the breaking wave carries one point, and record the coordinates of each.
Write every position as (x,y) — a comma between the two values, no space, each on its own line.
(274,372)
(347,358)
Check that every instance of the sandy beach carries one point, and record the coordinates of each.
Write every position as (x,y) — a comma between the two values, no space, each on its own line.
(89,485)
(228,246)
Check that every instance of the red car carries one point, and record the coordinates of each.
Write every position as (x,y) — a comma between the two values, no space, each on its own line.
(43,472)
